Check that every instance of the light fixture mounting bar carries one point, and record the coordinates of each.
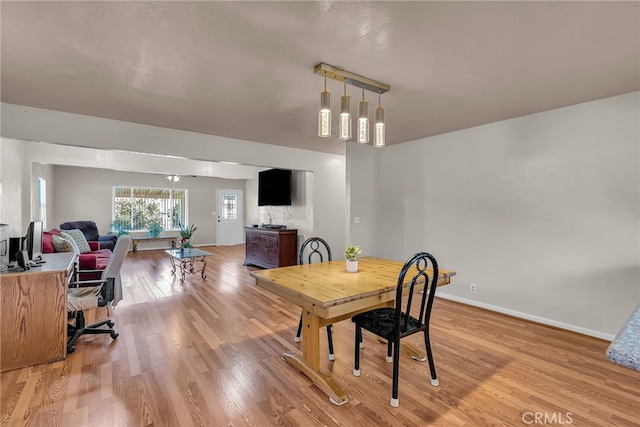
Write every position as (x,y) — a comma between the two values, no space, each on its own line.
(353,79)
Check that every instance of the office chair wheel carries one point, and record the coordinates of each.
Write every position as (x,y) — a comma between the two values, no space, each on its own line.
(110,324)
(114,335)
(70,349)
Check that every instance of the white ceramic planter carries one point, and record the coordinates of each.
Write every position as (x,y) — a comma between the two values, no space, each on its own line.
(352,266)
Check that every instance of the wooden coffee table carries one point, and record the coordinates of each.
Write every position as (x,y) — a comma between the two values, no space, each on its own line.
(184,259)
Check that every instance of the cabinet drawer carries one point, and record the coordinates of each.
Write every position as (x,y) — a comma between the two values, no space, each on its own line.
(270,243)
(269,247)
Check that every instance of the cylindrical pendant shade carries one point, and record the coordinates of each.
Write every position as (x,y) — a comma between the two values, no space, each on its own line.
(345,118)
(363,122)
(324,116)
(378,139)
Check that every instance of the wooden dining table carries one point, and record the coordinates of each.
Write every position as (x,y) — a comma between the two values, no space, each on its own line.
(328,294)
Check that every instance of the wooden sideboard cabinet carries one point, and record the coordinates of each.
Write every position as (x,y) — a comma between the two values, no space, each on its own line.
(33,320)
(270,248)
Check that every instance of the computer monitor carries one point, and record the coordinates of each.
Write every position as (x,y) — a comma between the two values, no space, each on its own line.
(4,245)
(33,240)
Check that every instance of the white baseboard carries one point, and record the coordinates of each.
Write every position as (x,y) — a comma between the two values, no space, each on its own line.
(527,316)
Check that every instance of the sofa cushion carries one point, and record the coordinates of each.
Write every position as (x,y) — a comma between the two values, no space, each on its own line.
(95,260)
(78,237)
(88,228)
(62,244)
(102,258)
(47,243)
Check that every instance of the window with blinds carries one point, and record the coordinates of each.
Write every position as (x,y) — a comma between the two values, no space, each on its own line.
(136,208)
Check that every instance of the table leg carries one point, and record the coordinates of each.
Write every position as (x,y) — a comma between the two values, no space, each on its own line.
(173,266)
(204,266)
(309,363)
(183,267)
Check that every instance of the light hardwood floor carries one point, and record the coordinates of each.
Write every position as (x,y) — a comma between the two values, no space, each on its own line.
(208,354)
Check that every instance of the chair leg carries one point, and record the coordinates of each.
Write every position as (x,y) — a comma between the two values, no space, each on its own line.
(297,338)
(74,332)
(432,365)
(356,360)
(80,328)
(396,368)
(330,339)
(389,347)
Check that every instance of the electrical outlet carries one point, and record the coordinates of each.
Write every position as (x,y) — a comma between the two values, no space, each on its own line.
(356,220)
(473,288)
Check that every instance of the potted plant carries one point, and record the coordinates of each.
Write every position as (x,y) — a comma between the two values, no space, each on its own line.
(351,253)
(119,227)
(154,230)
(185,235)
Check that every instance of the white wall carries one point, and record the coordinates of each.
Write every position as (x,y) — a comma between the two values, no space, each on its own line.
(541,212)
(363,197)
(109,137)
(13,180)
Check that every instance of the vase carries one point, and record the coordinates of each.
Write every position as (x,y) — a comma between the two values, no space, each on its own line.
(352,266)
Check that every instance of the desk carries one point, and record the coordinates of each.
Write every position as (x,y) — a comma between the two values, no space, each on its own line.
(141,239)
(184,259)
(33,319)
(328,294)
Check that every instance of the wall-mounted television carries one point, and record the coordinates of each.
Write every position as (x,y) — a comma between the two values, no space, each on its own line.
(33,240)
(274,187)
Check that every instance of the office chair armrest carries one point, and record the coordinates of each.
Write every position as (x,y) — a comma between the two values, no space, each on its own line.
(107,286)
(87,283)
(75,273)
(88,271)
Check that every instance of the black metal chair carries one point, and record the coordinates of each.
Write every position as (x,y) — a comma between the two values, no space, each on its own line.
(315,247)
(393,324)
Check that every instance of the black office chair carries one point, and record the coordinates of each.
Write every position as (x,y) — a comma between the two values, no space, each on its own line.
(89,294)
(393,324)
(319,248)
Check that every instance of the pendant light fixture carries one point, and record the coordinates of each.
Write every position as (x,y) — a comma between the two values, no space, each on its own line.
(363,120)
(362,125)
(378,137)
(345,116)
(324,116)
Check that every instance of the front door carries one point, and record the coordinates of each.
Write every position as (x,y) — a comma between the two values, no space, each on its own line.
(229,225)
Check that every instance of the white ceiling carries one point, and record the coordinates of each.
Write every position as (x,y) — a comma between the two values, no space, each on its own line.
(245,69)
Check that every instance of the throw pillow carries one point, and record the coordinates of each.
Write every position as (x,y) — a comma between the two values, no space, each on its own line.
(47,244)
(61,244)
(78,237)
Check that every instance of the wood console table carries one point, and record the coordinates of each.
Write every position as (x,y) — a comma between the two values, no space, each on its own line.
(269,248)
(138,239)
(33,321)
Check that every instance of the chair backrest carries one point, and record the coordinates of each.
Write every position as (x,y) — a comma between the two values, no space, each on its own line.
(314,248)
(420,268)
(117,257)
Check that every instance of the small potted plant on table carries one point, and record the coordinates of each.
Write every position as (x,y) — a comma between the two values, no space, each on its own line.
(351,253)
(185,235)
